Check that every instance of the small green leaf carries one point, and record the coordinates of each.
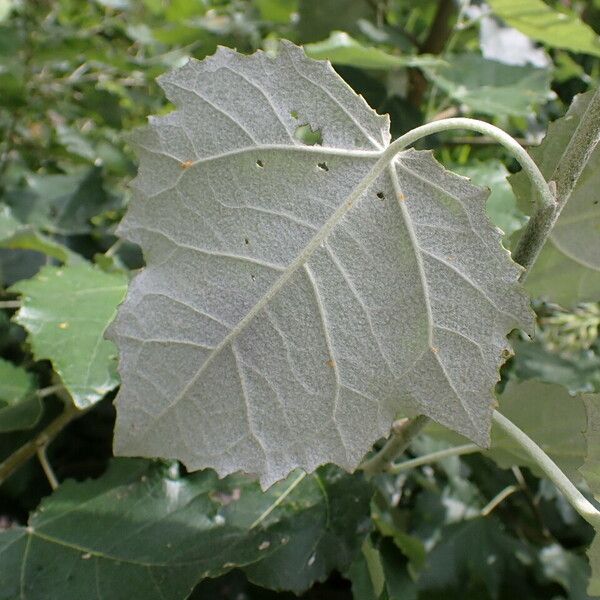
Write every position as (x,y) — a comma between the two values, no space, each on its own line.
(557,29)
(143,531)
(490,87)
(341,49)
(20,406)
(568,268)
(65,311)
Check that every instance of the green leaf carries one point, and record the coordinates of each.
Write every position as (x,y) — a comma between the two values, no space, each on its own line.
(17,236)
(20,406)
(320,544)
(557,29)
(578,372)
(66,311)
(566,568)
(568,268)
(143,531)
(474,556)
(398,583)
(379,573)
(61,204)
(490,87)
(501,206)
(277,11)
(363,587)
(341,49)
(549,415)
(293,298)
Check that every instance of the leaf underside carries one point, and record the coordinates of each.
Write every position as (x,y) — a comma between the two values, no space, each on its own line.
(287,313)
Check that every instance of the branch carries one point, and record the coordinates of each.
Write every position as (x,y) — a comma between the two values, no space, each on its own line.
(437,38)
(18,458)
(441,28)
(577,500)
(403,432)
(565,177)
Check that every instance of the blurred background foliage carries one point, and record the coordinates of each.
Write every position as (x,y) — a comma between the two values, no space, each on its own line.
(77,75)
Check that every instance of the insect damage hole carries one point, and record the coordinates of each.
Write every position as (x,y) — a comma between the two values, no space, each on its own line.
(323,166)
(381,195)
(308,136)
(260,164)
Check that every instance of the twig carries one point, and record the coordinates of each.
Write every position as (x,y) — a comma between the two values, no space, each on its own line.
(114,248)
(565,177)
(18,458)
(47,467)
(427,459)
(10,304)
(498,499)
(535,509)
(279,500)
(51,389)
(403,432)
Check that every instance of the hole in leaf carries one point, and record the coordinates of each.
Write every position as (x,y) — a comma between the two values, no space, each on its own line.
(381,195)
(246,241)
(294,114)
(323,166)
(260,164)
(307,135)
(253,277)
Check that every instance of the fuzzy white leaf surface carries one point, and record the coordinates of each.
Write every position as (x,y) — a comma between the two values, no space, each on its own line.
(293,304)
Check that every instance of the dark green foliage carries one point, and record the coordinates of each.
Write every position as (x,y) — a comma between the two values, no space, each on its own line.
(76,77)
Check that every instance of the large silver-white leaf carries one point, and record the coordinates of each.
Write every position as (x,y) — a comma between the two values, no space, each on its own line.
(288,313)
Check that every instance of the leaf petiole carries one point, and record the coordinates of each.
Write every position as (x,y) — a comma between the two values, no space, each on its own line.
(427,459)
(577,500)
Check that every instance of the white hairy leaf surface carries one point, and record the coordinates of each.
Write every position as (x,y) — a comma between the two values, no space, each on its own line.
(294,301)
